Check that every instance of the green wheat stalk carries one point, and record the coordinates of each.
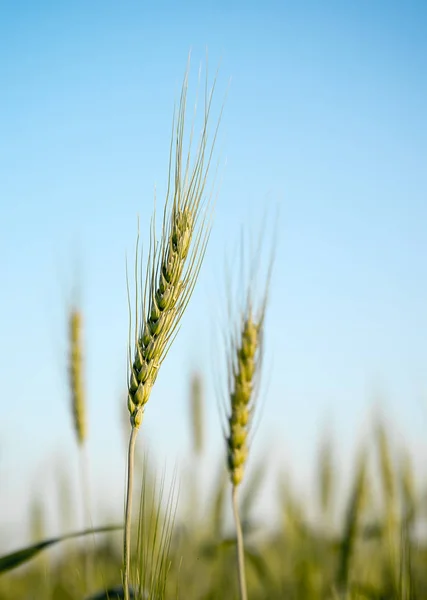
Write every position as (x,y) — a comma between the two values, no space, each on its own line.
(244,359)
(78,407)
(390,499)
(355,507)
(172,270)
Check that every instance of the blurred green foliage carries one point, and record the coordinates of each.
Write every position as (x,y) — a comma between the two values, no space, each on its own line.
(368,548)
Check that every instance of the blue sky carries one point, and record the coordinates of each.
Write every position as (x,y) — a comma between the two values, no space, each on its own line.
(324,118)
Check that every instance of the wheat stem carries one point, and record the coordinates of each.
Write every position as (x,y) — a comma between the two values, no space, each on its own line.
(240,546)
(172,270)
(75,371)
(85,489)
(128,513)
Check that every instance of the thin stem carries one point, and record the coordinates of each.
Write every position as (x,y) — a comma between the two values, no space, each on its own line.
(87,513)
(240,546)
(128,514)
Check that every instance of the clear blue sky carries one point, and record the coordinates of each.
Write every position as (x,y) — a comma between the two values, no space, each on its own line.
(325,117)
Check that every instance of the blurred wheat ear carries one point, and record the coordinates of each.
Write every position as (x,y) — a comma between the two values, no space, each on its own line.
(408,491)
(172,270)
(195,468)
(244,350)
(76,374)
(78,407)
(196,412)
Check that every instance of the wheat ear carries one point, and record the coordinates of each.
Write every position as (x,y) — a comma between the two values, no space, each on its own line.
(326,478)
(196,413)
(244,369)
(172,270)
(408,491)
(237,444)
(241,396)
(76,375)
(78,407)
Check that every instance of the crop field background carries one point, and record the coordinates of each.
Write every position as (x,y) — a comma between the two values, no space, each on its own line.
(373,545)
(213,292)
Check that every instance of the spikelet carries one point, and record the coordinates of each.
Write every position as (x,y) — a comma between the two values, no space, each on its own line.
(244,358)
(76,375)
(173,265)
(244,374)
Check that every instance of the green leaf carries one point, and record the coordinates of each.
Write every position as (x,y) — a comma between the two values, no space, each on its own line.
(15,559)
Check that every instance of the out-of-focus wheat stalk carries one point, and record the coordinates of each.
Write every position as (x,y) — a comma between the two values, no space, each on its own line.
(248,347)
(193,473)
(408,491)
(196,413)
(354,513)
(76,374)
(244,359)
(389,492)
(78,407)
(172,270)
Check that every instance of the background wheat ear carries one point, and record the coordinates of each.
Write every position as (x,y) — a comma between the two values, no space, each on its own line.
(174,261)
(196,413)
(195,466)
(75,325)
(247,352)
(408,491)
(244,352)
(172,269)
(78,407)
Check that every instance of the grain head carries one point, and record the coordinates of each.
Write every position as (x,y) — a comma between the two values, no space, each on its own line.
(245,370)
(244,359)
(196,412)
(173,263)
(408,490)
(75,371)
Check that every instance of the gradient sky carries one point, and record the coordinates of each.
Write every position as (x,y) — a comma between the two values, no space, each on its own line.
(325,118)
